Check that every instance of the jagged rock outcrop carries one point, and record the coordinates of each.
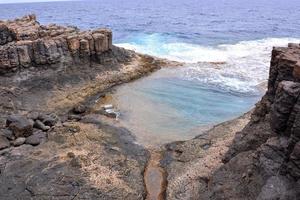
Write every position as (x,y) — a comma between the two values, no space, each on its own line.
(25,43)
(263,161)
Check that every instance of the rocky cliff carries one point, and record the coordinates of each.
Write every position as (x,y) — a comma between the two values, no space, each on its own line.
(261,161)
(24,43)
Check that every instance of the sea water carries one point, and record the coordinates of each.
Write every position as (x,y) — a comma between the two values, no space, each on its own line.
(226,45)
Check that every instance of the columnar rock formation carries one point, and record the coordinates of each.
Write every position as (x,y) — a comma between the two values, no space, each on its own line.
(268,149)
(25,43)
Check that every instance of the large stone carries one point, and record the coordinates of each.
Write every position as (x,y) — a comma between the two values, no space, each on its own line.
(20,126)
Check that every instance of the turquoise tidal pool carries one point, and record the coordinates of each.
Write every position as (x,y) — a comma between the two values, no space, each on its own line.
(169,105)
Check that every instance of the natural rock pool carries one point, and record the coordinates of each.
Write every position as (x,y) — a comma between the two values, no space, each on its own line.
(170,105)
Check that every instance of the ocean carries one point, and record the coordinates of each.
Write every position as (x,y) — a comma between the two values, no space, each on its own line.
(226,45)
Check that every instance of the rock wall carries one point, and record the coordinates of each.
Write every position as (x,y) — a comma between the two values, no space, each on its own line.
(24,43)
(264,160)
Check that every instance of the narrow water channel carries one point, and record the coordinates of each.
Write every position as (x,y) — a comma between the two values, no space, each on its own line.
(155,177)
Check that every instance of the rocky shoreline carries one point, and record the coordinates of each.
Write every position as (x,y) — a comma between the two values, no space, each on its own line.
(55,142)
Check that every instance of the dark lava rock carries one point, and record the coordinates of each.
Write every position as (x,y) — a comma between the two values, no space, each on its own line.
(7,133)
(19,141)
(20,126)
(4,143)
(79,109)
(36,138)
(40,125)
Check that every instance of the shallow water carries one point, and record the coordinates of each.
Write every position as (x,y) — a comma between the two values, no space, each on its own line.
(164,107)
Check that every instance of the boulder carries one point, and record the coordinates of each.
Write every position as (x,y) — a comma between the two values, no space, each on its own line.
(4,143)
(19,125)
(36,139)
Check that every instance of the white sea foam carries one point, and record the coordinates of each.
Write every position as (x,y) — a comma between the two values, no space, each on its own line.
(246,63)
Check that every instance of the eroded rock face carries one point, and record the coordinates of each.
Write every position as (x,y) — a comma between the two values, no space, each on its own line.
(25,43)
(276,150)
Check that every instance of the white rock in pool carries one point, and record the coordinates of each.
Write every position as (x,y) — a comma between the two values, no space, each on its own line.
(108,106)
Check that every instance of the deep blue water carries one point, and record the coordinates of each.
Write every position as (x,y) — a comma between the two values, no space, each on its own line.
(208,22)
(173,103)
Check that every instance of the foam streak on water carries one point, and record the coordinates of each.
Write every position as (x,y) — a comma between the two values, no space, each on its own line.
(243,66)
